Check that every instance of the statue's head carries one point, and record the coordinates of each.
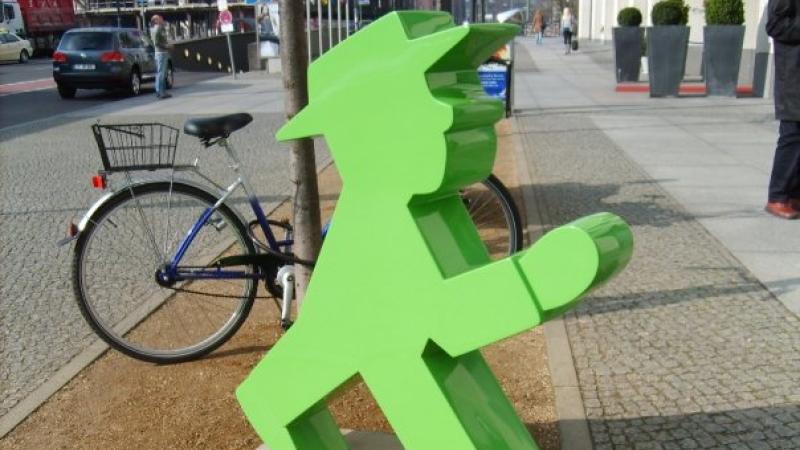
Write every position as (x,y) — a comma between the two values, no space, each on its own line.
(400,104)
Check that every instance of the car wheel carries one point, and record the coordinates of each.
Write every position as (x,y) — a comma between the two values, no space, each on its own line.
(135,84)
(66,91)
(23,56)
(170,81)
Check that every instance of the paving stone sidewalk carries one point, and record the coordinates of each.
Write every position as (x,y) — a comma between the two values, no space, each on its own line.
(45,171)
(686,349)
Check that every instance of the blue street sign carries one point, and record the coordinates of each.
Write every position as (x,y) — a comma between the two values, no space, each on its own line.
(493,79)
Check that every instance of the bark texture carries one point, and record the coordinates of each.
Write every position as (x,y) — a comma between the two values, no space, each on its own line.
(294,64)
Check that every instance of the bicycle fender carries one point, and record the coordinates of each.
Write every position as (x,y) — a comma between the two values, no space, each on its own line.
(92,209)
(73,232)
(107,196)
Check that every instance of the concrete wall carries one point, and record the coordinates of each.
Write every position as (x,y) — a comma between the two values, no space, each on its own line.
(596,18)
(211,54)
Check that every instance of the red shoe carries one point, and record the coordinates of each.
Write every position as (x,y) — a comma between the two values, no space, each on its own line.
(784,210)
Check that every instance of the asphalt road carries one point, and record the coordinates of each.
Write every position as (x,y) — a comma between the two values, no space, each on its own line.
(29,105)
(33,70)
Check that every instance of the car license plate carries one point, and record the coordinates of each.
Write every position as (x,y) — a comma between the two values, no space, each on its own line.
(83,66)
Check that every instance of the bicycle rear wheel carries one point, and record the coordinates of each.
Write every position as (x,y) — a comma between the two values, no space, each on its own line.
(116,260)
(495,215)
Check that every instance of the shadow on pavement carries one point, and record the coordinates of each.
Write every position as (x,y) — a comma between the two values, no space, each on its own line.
(257,349)
(752,428)
(599,197)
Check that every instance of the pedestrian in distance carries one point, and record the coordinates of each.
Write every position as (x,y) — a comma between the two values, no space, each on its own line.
(567,24)
(538,26)
(783,25)
(158,34)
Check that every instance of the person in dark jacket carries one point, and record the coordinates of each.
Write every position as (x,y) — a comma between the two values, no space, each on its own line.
(783,25)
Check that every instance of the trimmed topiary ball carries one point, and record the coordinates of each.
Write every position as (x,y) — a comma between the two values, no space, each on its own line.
(670,12)
(724,12)
(629,17)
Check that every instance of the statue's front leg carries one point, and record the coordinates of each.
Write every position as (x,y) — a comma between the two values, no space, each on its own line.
(284,396)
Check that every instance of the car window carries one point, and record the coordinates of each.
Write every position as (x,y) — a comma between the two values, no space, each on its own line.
(11,38)
(3,38)
(125,41)
(136,39)
(91,40)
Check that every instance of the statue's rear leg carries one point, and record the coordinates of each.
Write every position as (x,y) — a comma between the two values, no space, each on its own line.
(436,402)
(284,396)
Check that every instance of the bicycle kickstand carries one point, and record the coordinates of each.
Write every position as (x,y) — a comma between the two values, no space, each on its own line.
(286,279)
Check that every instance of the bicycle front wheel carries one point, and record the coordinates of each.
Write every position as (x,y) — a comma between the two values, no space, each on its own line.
(117,259)
(495,215)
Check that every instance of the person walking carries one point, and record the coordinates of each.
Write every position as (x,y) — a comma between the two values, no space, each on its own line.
(783,25)
(158,34)
(567,23)
(538,26)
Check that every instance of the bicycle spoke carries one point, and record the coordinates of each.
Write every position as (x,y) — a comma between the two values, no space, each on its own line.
(120,290)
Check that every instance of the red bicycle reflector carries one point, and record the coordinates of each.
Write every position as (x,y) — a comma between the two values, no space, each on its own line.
(99,182)
(72,230)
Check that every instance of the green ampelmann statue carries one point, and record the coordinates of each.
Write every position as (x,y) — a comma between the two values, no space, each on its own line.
(404,293)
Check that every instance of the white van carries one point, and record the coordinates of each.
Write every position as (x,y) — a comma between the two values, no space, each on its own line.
(12,18)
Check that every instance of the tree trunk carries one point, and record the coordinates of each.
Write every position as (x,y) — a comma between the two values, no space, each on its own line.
(294,64)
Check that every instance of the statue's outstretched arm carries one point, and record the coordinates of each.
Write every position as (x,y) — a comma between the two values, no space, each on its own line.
(506,297)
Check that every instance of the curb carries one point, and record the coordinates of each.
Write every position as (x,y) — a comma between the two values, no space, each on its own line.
(685,88)
(28,405)
(572,424)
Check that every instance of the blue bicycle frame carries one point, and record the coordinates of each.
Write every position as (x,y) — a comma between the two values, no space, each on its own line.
(183,273)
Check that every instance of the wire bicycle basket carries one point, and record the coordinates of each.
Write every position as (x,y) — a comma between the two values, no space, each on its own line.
(136,146)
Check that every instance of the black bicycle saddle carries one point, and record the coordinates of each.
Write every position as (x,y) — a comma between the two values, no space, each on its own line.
(207,128)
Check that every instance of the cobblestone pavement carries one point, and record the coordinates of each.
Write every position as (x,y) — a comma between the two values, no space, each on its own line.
(686,349)
(45,171)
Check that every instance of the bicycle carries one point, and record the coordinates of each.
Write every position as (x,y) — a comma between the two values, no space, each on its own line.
(178,250)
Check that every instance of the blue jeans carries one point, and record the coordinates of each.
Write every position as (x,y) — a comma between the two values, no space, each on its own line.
(161,72)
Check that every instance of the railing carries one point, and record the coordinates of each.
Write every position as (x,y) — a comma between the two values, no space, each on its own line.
(90,5)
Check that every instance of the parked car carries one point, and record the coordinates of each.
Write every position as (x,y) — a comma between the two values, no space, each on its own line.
(105,58)
(14,48)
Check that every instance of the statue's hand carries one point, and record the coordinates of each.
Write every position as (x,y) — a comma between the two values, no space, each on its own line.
(569,261)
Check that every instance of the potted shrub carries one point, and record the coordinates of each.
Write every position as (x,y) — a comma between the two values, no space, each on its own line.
(723,37)
(667,43)
(628,38)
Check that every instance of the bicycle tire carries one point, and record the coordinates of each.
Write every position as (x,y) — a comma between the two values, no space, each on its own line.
(141,316)
(501,239)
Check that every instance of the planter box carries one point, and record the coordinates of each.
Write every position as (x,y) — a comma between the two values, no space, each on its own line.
(666,58)
(627,53)
(722,54)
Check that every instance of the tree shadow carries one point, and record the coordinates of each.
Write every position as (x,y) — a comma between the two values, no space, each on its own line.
(603,304)
(576,199)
